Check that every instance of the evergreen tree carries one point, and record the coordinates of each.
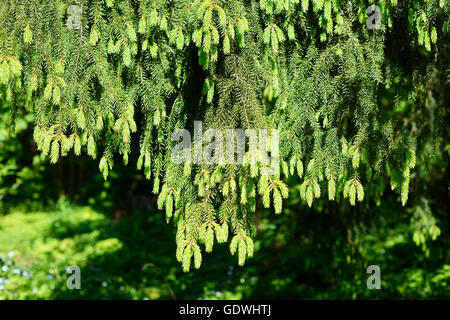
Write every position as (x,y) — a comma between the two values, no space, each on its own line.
(96,73)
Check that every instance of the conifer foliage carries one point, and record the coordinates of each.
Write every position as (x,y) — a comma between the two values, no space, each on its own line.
(106,71)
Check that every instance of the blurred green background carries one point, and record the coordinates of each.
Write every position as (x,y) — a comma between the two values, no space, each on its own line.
(54,216)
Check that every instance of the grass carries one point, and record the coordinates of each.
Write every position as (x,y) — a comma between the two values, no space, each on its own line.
(134,258)
(128,259)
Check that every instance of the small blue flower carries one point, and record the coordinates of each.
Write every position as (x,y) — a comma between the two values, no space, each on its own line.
(49,276)
(145,298)
(34,291)
(4,268)
(25,273)
(1,287)
(1,280)
(11,255)
(16,271)
(15,295)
